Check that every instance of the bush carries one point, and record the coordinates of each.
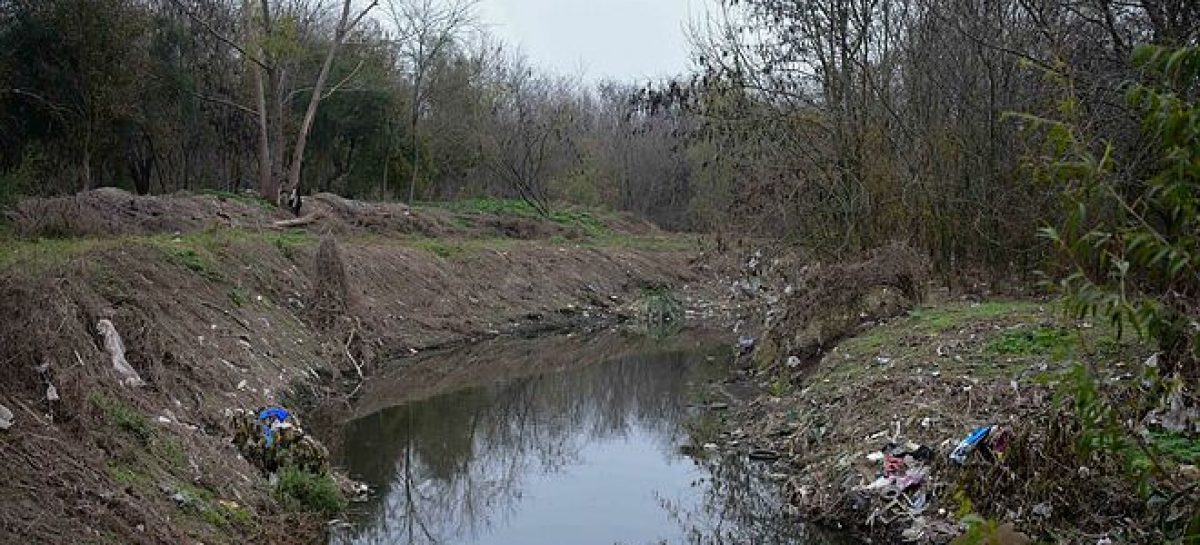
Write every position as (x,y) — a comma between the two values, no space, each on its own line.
(300,490)
(1131,247)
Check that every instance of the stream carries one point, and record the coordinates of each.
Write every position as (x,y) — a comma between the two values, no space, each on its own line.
(573,441)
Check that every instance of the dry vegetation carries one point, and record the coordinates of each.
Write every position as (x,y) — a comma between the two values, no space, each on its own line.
(219,318)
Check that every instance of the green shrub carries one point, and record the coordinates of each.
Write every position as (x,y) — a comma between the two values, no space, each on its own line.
(124,416)
(303,491)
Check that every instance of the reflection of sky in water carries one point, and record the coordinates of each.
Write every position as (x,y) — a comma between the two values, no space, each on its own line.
(585,456)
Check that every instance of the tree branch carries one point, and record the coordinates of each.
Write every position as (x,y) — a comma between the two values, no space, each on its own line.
(208,28)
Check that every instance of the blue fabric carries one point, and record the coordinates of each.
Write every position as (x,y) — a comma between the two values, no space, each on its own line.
(278,413)
(267,417)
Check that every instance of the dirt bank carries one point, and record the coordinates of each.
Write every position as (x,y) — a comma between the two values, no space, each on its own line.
(928,377)
(221,317)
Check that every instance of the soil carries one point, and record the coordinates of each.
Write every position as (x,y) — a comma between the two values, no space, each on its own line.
(930,376)
(218,311)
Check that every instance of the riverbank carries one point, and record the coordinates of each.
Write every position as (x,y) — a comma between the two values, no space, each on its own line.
(862,434)
(228,311)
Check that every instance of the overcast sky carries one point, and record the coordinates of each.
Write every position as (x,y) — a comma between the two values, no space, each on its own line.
(619,39)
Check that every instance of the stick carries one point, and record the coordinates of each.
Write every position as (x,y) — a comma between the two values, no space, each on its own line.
(305,220)
(357,367)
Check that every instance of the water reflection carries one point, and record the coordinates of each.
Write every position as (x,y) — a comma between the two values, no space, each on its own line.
(586,455)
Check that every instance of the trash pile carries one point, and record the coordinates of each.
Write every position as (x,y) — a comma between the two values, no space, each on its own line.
(270,439)
(899,489)
(903,490)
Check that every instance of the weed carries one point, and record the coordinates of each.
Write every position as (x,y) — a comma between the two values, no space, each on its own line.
(127,474)
(299,490)
(441,248)
(287,242)
(1176,446)
(193,261)
(1039,341)
(238,296)
(124,416)
(171,451)
(588,222)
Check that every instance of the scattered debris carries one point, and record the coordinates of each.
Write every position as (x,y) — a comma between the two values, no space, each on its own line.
(116,350)
(6,418)
(992,440)
(763,455)
(271,440)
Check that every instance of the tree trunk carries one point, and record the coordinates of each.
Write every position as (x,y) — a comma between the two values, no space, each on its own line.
(343,28)
(414,119)
(268,185)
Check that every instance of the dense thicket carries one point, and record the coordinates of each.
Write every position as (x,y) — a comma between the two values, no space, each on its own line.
(161,95)
(843,124)
(853,122)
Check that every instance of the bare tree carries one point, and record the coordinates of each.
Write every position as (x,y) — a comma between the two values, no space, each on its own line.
(344,26)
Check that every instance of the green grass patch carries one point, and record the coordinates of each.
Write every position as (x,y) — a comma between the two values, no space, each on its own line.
(1177,446)
(195,262)
(128,474)
(287,242)
(169,450)
(124,417)
(670,243)
(43,251)
(442,248)
(950,316)
(1032,342)
(590,222)
(238,296)
(302,491)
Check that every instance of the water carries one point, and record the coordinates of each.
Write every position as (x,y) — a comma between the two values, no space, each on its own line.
(566,447)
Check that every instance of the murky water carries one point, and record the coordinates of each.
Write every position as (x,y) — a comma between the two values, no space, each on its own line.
(586,454)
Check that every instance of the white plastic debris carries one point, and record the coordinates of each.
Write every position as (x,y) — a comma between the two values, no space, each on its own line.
(51,393)
(793,362)
(116,350)
(6,418)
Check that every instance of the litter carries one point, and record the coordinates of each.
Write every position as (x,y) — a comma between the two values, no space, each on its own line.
(969,444)
(272,419)
(6,418)
(116,350)
(270,439)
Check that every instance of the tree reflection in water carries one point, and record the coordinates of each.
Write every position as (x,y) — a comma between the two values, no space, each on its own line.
(454,468)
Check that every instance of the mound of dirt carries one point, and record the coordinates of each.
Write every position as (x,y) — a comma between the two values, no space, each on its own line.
(111,211)
(831,301)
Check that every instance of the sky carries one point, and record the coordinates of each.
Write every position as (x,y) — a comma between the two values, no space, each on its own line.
(615,39)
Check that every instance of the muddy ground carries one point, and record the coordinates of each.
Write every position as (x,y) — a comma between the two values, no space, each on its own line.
(221,311)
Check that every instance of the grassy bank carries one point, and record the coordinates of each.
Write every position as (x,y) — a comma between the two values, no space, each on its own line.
(933,375)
